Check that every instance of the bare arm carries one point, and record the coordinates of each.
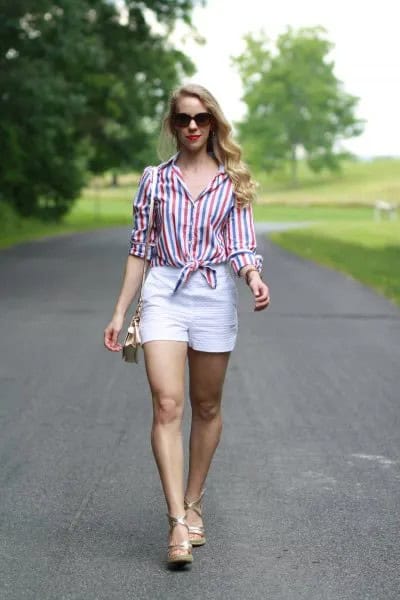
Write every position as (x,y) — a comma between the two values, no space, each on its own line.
(134,264)
(129,288)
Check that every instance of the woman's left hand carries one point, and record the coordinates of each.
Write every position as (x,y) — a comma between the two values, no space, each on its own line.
(260,291)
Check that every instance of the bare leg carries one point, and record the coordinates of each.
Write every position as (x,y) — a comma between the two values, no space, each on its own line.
(207,374)
(165,366)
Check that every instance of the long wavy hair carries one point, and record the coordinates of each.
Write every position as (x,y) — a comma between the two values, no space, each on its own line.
(220,141)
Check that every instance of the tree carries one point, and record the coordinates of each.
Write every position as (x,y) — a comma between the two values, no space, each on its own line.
(81,86)
(41,55)
(131,92)
(295,104)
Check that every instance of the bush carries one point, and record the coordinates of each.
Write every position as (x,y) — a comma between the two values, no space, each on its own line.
(8,218)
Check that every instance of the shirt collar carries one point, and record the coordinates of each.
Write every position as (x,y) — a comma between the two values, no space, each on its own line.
(170,161)
(174,158)
(221,175)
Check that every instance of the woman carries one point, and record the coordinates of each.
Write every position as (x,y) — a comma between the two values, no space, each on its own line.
(202,231)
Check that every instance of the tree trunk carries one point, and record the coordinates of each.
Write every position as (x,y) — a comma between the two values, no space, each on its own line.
(114,181)
(293,166)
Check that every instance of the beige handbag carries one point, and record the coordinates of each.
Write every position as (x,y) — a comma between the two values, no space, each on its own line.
(132,341)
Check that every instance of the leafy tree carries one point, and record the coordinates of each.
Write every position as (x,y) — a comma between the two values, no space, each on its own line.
(40,55)
(81,86)
(131,92)
(295,104)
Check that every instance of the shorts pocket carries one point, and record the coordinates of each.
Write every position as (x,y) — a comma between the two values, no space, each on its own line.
(148,285)
(227,285)
(160,281)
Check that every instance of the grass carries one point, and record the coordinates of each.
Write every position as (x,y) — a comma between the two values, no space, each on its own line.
(99,208)
(29,229)
(359,183)
(278,212)
(369,252)
(116,208)
(344,236)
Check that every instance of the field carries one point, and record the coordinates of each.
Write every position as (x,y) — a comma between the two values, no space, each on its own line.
(360,183)
(340,206)
(349,195)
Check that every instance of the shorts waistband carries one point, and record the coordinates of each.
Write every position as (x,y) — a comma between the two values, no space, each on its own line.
(219,268)
(210,272)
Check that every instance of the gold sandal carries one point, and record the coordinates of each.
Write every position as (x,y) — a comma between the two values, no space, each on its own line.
(179,559)
(196,530)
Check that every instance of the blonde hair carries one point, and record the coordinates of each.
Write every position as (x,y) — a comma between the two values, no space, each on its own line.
(220,141)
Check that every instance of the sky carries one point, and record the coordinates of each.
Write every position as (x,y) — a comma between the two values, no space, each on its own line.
(366,55)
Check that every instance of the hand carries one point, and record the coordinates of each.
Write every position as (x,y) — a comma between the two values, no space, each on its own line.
(260,291)
(111,333)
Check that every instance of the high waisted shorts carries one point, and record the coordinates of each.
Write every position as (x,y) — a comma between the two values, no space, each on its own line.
(204,317)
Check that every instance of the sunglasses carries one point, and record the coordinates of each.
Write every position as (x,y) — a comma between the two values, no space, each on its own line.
(183,120)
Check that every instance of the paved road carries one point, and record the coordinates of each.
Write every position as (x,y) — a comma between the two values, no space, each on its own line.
(303,498)
(270,226)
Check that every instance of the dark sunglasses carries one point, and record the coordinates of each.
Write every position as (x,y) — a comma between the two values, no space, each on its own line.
(183,120)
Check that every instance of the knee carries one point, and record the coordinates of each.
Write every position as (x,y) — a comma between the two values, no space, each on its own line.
(206,409)
(167,409)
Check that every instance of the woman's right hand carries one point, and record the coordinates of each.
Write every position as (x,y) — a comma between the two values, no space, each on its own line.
(111,333)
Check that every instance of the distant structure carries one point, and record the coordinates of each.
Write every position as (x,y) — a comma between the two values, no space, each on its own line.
(384,209)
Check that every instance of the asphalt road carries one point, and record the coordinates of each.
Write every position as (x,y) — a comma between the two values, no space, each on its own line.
(304,494)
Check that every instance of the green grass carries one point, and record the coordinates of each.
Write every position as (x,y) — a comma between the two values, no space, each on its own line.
(277,212)
(360,182)
(322,198)
(369,252)
(117,209)
(30,229)
(345,236)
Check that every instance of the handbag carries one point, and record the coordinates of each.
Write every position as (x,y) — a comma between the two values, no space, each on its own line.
(132,343)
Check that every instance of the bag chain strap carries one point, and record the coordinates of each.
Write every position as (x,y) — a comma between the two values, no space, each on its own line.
(136,316)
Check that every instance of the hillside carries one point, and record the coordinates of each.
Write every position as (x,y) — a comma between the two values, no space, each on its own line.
(359,183)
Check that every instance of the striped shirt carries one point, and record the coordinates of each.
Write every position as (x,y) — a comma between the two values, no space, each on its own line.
(193,233)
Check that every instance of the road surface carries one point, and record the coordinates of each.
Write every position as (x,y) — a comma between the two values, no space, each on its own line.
(303,498)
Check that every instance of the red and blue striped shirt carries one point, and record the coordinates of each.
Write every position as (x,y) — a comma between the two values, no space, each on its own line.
(193,233)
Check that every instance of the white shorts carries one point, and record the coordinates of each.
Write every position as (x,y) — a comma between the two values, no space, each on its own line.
(204,317)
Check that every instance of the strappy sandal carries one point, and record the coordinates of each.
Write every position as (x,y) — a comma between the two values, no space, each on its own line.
(196,530)
(181,558)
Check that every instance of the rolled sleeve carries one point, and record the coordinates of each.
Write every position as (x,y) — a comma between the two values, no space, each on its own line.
(141,212)
(240,239)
